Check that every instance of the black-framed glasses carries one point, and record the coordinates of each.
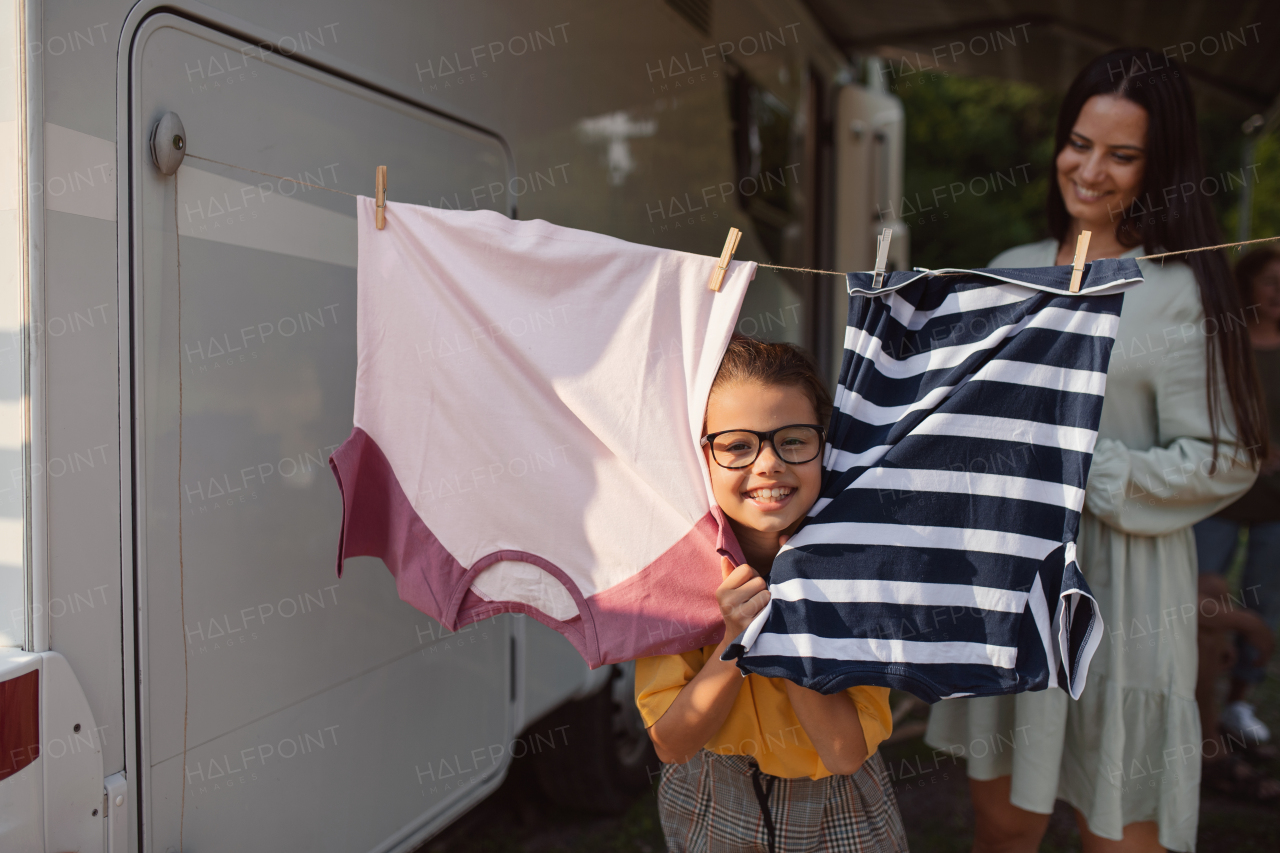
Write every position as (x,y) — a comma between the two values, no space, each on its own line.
(794,444)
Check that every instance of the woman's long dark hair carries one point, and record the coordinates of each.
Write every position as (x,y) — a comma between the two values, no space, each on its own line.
(1168,217)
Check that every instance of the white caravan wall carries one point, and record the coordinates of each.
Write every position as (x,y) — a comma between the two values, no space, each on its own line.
(287,674)
(13,580)
(604,111)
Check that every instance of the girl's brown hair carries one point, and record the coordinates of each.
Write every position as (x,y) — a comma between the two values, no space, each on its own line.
(749,360)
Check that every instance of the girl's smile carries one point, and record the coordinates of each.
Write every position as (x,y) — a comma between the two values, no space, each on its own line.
(770,498)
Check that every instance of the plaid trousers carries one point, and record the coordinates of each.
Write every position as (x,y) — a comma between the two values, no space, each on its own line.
(724,804)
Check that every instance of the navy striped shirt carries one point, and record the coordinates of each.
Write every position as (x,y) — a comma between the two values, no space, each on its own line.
(940,557)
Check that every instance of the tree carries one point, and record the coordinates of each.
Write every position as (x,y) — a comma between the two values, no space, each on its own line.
(977,155)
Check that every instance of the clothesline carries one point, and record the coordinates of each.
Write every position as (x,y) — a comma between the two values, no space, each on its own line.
(766,266)
(1139,258)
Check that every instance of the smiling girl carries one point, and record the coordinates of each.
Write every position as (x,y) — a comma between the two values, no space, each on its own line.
(753,763)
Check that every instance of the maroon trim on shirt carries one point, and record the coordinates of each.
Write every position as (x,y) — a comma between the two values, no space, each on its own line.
(668,607)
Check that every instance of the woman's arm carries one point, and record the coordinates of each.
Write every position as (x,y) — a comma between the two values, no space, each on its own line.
(1157,491)
(703,704)
(1174,484)
(833,726)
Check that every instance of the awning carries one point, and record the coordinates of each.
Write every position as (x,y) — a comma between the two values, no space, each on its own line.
(1229,47)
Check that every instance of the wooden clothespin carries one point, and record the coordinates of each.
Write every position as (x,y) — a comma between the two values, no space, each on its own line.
(882,258)
(380,184)
(1077,266)
(726,255)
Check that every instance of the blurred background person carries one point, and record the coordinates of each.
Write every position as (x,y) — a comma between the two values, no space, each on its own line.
(1239,627)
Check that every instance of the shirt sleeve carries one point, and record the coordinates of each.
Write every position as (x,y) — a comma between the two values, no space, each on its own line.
(1157,491)
(660,679)
(1175,483)
(874,714)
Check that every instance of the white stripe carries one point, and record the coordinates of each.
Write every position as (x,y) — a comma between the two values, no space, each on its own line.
(818,506)
(1043,376)
(1115,285)
(841,393)
(884,650)
(1076,322)
(1076,687)
(1078,677)
(971,483)
(757,625)
(869,413)
(900,592)
(1009,429)
(920,536)
(843,460)
(871,347)
(957,302)
(1044,626)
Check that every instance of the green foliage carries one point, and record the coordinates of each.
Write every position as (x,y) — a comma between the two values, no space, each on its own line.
(977,166)
(1266,192)
(1221,144)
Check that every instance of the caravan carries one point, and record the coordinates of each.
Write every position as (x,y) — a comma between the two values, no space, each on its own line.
(181,668)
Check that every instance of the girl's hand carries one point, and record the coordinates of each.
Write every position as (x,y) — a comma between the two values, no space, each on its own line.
(741,595)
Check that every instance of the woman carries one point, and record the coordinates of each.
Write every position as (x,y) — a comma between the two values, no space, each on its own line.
(1180,437)
(1222,616)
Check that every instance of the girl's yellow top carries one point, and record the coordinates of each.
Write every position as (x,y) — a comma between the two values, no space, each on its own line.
(762,723)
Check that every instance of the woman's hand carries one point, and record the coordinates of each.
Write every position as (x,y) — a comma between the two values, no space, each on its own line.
(741,595)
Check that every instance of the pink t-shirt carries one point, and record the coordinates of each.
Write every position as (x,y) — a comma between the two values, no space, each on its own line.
(529,401)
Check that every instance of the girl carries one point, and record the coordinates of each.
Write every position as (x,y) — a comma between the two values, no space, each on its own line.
(1181,434)
(758,764)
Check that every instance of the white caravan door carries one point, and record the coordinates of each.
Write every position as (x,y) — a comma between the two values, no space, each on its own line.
(317,714)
